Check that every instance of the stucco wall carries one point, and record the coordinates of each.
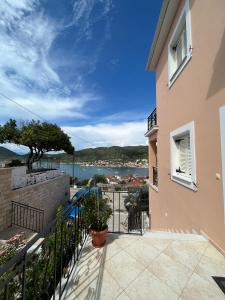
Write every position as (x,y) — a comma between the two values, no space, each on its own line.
(196,95)
(46,195)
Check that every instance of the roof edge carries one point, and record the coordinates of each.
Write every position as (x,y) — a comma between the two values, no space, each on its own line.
(167,13)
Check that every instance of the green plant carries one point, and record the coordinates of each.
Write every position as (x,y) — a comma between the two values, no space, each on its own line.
(97,212)
(15,163)
(97,178)
(83,182)
(55,253)
(39,137)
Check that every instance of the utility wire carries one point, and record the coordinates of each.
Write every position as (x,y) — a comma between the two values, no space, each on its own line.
(23,107)
(33,113)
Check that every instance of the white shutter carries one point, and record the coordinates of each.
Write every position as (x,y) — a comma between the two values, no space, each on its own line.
(184,155)
(183,44)
(173,62)
(179,51)
(189,158)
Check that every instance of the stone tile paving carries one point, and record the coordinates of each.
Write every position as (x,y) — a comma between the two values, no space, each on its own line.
(148,267)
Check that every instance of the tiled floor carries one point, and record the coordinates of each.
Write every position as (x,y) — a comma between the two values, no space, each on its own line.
(148,267)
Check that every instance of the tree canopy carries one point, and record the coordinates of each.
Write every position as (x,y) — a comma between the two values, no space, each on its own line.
(39,137)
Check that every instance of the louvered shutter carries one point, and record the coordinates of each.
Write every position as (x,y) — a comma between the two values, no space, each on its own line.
(185,155)
(173,62)
(181,48)
(183,44)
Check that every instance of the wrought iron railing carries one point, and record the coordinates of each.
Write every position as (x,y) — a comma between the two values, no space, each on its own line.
(152,120)
(127,212)
(155,176)
(42,268)
(27,216)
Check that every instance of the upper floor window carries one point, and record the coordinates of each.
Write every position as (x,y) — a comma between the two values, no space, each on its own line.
(179,48)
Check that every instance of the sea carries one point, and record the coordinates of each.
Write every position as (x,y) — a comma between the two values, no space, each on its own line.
(86,172)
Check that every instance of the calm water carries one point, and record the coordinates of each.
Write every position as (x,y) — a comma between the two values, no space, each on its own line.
(82,172)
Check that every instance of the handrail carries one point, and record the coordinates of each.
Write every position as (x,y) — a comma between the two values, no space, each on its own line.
(58,247)
(152,119)
(28,206)
(27,216)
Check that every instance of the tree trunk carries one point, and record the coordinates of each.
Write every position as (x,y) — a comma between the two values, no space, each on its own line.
(30,159)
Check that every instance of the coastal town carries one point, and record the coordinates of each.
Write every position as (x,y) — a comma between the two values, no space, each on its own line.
(139,163)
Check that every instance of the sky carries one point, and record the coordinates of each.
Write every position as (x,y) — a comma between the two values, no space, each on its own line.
(79,64)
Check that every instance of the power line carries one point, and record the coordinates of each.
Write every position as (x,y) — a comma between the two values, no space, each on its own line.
(23,107)
(35,114)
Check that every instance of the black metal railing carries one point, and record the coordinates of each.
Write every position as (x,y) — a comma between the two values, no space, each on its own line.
(127,212)
(27,216)
(155,176)
(152,120)
(42,268)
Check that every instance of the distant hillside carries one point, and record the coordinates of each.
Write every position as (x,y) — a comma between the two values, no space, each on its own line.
(129,153)
(6,154)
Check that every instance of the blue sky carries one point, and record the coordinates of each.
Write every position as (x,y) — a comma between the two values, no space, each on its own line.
(80,64)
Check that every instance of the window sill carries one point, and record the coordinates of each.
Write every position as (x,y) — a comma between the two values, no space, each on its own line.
(154,187)
(179,70)
(188,183)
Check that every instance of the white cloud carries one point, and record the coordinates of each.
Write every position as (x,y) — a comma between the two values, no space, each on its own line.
(125,116)
(26,76)
(89,12)
(123,134)
(26,35)
(100,135)
(47,108)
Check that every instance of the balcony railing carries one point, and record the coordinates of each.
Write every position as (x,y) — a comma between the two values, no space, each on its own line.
(28,217)
(43,268)
(152,120)
(155,176)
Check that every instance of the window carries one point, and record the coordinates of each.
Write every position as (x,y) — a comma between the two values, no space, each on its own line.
(179,48)
(183,156)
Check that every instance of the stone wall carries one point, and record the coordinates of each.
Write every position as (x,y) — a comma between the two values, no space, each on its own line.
(47,195)
(20,178)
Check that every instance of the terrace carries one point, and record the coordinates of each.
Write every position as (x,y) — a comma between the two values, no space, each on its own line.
(61,263)
(152,266)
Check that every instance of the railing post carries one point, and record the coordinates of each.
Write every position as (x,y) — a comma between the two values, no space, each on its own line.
(24,278)
(61,250)
(55,260)
(6,292)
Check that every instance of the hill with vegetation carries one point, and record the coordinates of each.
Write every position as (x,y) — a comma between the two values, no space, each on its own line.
(128,153)
(115,153)
(6,154)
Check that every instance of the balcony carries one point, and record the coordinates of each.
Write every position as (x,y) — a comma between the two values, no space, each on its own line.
(152,123)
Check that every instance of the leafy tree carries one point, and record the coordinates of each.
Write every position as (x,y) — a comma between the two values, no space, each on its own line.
(99,179)
(38,137)
(15,163)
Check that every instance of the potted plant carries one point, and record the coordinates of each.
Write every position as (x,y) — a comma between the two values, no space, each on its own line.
(97,212)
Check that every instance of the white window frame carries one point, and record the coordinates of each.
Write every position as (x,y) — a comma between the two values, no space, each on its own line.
(222,137)
(185,16)
(189,183)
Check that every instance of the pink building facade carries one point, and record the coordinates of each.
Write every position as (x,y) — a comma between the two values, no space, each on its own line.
(187,132)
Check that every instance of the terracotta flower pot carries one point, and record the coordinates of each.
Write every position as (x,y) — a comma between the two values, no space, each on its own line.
(98,237)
